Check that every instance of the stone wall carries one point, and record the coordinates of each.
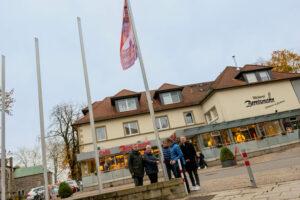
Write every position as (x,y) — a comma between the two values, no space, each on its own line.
(24,184)
(173,189)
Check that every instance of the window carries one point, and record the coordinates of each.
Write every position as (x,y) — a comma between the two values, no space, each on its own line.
(189,118)
(131,128)
(170,97)
(264,76)
(127,104)
(162,123)
(211,115)
(101,133)
(251,77)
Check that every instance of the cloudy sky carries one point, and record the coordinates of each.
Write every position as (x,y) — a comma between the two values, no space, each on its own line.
(182,42)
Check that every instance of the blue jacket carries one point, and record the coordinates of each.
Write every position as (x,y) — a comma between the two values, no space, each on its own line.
(167,154)
(150,163)
(176,154)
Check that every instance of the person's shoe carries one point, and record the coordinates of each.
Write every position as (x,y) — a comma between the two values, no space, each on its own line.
(197,187)
(205,167)
(193,188)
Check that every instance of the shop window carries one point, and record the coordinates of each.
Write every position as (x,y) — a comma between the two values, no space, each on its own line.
(131,128)
(262,130)
(101,133)
(225,137)
(211,115)
(253,132)
(170,97)
(189,120)
(127,104)
(120,162)
(162,123)
(207,140)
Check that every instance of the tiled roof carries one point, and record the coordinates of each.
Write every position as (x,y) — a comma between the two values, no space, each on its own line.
(28,171)
(192,94)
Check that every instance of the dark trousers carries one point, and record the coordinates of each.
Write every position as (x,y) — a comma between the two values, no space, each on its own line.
(178,175)
(193,173)
(153,178)
(138,181)
(170,168)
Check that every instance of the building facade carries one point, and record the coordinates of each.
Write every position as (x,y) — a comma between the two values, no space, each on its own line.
(251,106)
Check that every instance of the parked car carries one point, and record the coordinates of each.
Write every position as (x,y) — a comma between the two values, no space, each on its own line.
(36,193)
(73,184)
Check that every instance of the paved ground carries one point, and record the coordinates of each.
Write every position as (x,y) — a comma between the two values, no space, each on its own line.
(273,169)
(285,190)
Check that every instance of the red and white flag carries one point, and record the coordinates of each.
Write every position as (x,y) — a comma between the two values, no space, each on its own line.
(128,48)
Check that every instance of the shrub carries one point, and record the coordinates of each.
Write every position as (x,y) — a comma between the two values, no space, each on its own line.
(64,190)
(226,154)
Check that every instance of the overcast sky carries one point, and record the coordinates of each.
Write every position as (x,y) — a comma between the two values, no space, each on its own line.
(182,42)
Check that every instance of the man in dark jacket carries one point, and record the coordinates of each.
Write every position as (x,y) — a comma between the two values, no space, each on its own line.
(150,163)
(191,166)
(167,157)
(135,165)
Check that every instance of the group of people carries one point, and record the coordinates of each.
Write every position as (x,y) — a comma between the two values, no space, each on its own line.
(173,152)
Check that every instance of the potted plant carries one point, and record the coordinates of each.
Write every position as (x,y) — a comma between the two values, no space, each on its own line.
(226,157)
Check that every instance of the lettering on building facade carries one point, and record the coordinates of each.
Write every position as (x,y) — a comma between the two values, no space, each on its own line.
(259,100)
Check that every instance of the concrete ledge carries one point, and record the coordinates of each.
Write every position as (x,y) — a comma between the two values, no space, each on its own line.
(173,189)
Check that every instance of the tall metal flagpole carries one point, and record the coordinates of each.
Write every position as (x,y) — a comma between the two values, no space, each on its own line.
(3,153)
(149,100)
(42,128)
(91,114)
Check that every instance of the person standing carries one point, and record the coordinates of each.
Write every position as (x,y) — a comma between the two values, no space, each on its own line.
(176,154)
(150,163)
(167,157)
(191,166)
(135,165)
(201,160)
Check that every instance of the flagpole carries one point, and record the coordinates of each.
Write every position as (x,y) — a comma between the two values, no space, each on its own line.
(3,153)
(88,93)
(42,127)
(149,100)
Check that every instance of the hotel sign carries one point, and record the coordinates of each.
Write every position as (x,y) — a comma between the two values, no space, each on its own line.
(259,100)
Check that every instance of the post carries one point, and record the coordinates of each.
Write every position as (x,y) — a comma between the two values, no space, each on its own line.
(247,163)
(88,93)
(42,129)
(55,165)
(149,100)
(182,176)
(3,152)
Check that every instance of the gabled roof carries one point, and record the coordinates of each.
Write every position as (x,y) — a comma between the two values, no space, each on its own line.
(193,94)
(28,171)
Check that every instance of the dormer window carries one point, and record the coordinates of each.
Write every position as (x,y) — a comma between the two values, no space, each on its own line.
(129,104)
(253,77)
(170,97)
(264,76)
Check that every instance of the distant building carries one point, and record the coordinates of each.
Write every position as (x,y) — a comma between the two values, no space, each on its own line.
(252,107)
(27,178)
(19,181)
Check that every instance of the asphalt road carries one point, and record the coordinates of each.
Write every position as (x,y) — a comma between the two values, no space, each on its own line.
(281,160)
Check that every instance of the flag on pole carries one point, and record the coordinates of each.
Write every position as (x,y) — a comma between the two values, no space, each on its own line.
(128,48)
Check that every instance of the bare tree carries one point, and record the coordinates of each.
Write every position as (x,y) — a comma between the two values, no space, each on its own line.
(62,117)
(27,157)
(9,101)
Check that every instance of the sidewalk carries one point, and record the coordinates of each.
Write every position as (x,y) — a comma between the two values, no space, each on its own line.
(285,190)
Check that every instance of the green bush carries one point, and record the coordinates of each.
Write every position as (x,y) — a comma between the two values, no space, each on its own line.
(64,190)
(226,154)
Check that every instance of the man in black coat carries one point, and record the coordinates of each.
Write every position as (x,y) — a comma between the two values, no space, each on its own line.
(135,165)
(150,163)
(191,166)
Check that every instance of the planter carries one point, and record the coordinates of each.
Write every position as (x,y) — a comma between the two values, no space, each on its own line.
(228,163)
